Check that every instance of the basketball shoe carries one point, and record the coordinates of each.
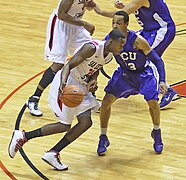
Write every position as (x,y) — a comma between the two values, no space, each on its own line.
(103,144)
(32,104)
(158,145)
(17,141)
(53,159)
(168,97)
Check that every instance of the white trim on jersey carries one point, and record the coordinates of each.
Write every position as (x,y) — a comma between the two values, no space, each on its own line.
(156,74)
(161,32)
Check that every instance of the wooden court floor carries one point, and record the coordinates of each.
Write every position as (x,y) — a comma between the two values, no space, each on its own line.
(130,155)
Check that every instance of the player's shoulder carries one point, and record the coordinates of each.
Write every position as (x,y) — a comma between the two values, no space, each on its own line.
(107,36)
(132,35)
(92,45)
(97,43)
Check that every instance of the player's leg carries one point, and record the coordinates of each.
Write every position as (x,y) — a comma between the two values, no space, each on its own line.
(105,111)
(124,89)
(55,51)
(149,87)
(52,156)
(160,47)
(154,110)
(19,138)
(46,79)
(159,41)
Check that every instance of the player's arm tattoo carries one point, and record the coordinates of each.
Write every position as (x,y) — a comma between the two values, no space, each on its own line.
(135,45)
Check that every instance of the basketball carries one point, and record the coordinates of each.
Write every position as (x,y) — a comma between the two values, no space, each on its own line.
(72,96)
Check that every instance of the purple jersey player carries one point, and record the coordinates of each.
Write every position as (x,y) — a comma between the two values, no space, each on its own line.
(140,71)
(158,28)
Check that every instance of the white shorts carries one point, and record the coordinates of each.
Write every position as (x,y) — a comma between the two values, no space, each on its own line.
(62,39)
(65,114)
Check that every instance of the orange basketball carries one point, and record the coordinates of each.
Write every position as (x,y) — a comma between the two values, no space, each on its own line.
(72,96)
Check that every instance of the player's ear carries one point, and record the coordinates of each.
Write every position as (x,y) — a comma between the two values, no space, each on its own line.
(110,41)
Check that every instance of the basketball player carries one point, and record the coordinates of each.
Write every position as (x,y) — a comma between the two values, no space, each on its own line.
(82,70)
(141,71)
(157,25)
(65,32)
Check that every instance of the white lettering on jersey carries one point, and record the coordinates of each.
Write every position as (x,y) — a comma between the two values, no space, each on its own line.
(129,56)
(138,19)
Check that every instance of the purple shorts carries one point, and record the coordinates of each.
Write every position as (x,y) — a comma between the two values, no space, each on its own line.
(123,84)
(160,39)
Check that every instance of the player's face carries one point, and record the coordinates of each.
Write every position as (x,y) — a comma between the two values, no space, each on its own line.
(118,23)
(117,45)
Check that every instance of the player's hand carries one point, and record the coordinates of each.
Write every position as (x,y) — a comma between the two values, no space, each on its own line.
(90,4)
(97,9)
(89,27)
(118,4)
(62,85)
(163,87)
(92,86)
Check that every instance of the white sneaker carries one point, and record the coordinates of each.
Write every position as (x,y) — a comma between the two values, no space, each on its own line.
(32,104)
(53,159)
(16,142)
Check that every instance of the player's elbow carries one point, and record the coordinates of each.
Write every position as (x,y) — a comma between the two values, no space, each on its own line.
(147,50)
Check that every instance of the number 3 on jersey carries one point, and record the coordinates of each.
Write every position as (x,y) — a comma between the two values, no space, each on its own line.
(131,66)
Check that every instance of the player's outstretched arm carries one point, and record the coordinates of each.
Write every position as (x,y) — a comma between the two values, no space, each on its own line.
(141,44)
(133,5)
(103,12)
(128,8)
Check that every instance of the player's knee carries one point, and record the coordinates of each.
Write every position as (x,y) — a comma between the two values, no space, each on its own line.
(107,102)
(153,104)
(84,119)
(46,79)
(105,105)
(56,66)
(86,124)
(89,123)
(63,127)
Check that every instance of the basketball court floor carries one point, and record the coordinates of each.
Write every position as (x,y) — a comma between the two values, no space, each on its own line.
(130,155)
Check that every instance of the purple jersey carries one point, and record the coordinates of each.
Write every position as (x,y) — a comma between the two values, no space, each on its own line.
(154,17)
(135,75)
(130,58)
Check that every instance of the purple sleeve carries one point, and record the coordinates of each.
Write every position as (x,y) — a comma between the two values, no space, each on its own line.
(158,63)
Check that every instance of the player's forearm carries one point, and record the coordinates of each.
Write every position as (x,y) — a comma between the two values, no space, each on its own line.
(131,8)
(161,70)
(103,12)
(107,13)
(159,64)
(64,75)
(134,5)
(69,19)
(95,76)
